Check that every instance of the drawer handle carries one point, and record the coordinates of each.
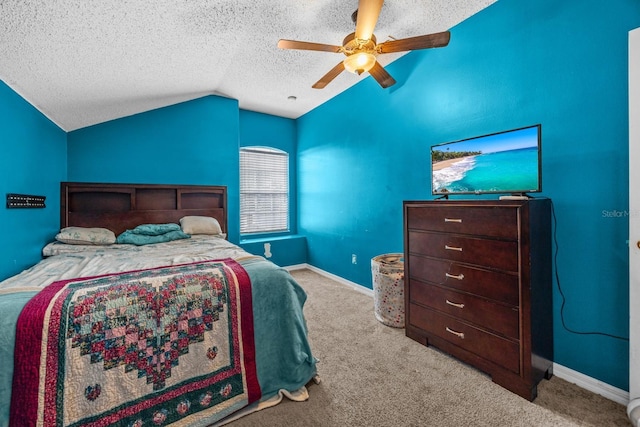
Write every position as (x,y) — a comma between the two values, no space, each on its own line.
(459,220)
(453,276)
(458,334)
(452,248)
(455,304)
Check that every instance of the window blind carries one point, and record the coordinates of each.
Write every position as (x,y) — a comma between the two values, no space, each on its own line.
(264,190)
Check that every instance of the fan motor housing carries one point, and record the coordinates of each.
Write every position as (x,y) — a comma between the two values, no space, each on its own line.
(351,45)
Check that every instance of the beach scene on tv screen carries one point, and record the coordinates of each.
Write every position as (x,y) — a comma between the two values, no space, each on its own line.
(504,162)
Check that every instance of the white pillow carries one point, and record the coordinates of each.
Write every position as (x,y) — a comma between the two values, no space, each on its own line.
(86,236)
(200,225)
(59,248)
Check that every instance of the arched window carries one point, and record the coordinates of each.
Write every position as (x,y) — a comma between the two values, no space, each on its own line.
(264,190)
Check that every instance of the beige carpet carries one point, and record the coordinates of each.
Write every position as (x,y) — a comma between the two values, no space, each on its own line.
(372,375)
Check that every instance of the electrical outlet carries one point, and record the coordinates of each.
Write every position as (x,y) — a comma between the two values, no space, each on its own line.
(267,250)
(354,259)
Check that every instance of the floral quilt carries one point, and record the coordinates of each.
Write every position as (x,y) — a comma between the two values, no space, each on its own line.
(150,347)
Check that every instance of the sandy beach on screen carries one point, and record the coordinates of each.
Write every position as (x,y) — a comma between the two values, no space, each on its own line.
(446,163)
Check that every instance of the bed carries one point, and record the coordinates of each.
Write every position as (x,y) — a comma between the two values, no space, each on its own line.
(188,331)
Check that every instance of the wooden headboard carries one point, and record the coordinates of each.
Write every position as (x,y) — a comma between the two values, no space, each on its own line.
(119,207)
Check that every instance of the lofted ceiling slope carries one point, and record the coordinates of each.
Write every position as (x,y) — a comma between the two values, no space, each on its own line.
(83,62)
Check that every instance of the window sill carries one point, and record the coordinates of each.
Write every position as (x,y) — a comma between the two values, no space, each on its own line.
(269,238)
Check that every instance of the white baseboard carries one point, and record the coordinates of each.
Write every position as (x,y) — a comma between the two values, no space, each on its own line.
(581,380)
(296,267)
(333,277)
(591,384)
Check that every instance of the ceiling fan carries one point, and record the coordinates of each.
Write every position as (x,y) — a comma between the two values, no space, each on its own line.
(361,47)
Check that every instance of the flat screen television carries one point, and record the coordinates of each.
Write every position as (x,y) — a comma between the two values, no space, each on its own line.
(507,162)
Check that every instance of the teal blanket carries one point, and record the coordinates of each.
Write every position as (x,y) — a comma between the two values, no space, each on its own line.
(10,307)
(283,355)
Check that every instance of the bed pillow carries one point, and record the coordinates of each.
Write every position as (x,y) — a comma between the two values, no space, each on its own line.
(86,236)
(155,229)
(132,238)
(59,248)
(200,225)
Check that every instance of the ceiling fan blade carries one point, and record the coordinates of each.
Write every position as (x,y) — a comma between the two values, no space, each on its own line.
(415,43)
(383,78)
(327,78)
(293,44)
(368,12)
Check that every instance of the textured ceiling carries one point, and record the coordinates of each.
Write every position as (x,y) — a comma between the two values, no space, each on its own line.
(82,62)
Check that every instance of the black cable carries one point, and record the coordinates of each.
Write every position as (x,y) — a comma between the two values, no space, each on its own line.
(564,299)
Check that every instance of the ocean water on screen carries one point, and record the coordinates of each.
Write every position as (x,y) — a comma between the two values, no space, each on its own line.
(502,171)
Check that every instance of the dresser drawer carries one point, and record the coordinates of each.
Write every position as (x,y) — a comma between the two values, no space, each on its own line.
(485,313)
(498,254)
(493,221)
(495,285)
(501,351)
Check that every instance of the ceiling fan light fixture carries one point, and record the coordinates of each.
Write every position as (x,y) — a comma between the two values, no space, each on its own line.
(359,62)
(361,47)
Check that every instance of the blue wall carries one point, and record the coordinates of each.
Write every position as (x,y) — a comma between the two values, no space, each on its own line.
(517,63)
(33,161)
(194,142)
(257,129)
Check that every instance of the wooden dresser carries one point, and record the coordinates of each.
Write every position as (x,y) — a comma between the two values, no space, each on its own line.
(478,285)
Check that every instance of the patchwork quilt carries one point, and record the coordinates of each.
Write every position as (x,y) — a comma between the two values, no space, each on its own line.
(149,347)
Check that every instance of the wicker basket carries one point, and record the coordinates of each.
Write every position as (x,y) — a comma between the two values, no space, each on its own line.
(387,271)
